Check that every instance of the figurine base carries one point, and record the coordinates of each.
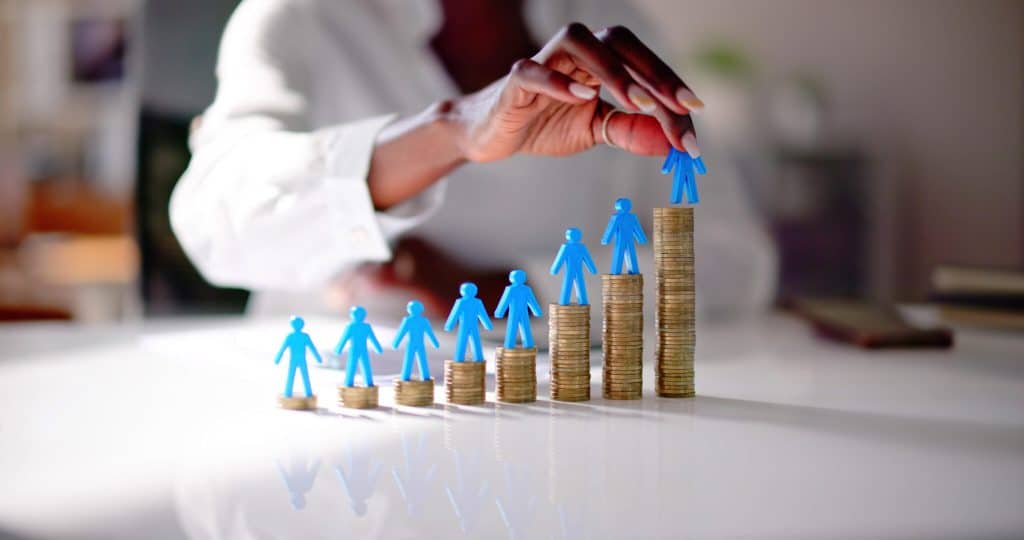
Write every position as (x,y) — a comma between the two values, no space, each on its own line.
(297,403)
(464,382)
(516,371)
(414,393)
(358,397)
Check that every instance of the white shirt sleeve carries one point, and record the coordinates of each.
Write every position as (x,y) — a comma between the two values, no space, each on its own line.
(267,203)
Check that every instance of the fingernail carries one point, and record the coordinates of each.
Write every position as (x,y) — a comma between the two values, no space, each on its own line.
(582,91)
(687,99)
(690,144)
(641,98)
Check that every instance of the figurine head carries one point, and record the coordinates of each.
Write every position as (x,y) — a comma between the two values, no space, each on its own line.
(468,290)
(414,307)
(357,313)
(573,235)
(297,323)
(359,507)
(517,277)
(298,501)
(623,205)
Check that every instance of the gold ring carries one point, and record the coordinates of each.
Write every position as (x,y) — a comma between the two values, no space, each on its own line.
(604,127)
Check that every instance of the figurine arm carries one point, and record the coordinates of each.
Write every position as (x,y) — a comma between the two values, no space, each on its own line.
(312,348)
(402,330)
(502,304)
(638,231)
(588,261)
(449,325)
(430,334)
(534,305)
(277,358)
(373,339)
(559,260)
(607,237)
(344,339)
(482,315)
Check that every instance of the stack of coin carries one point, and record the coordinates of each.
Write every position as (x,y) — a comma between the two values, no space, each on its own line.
(358,397)
(464,382)
(674,320)
(297,403)
(569,342)
(414,393)
(516,374)
(623,329)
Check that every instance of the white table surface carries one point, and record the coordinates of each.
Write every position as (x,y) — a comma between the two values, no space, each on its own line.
(170,429)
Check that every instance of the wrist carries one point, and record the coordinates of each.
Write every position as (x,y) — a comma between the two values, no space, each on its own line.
(443,121)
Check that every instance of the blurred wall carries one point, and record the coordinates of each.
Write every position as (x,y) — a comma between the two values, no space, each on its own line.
(935,87)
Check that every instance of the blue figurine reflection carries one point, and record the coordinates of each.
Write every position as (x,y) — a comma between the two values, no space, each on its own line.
(623,229)
(466,497)
(683,180)
(296,343)
(361,479)
(466,312)
(298,478)
(415,481)
(518,301)
(357,334)
(417,328)
(573,256)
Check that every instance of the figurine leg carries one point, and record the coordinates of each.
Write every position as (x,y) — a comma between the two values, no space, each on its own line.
(617,259)
(634,268)
(421,355)
(581,289)
(350,371)
(478,349)
(364,362)
(305,379)
(677,187)
(460,346)
(407,363)
(524,325)
(290,382)
(566,289)
(510,333)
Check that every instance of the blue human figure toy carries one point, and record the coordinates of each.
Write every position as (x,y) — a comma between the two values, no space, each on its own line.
(417,328)
(623,229)
(573,255)
(684,180)
(296,343)
(466,312)
(518,301)
(357,334)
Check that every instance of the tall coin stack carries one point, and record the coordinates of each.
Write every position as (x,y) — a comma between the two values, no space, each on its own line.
(623,330)
(674,318)
(414,393)
(516,374)
(464,382)
(569,342)
(358,397)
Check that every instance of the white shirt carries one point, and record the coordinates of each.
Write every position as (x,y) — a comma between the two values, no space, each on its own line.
(275,197)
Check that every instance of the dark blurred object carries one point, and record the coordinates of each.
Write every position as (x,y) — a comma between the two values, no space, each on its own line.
(421,270)
(819,221)
(868,326)
(74,205)
(99,48)
(16,313)
(170,284)
(983,297)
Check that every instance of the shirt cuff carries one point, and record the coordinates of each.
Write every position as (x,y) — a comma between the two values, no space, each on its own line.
(367,232)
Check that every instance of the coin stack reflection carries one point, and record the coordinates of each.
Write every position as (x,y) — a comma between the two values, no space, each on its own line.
(675,314)
(516,374)
(464,382)
(622,330)
(569,343)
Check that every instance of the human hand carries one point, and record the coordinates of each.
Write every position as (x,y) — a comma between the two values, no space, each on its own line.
(548,104)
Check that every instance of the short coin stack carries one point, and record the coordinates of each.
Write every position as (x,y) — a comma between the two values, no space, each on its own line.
(464,382)
(673,261)
(623,329)
(414,393)
(516,371)
(569,342)
(358,397)
(297,403)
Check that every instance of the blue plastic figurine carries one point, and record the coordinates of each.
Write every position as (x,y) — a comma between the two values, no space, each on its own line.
(466,312)
(623,228)
(573,255)
(518,301)
(417,328)
(357,333)
(296,343)
(684,180)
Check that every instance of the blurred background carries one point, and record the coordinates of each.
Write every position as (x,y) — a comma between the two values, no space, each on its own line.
(879,142)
